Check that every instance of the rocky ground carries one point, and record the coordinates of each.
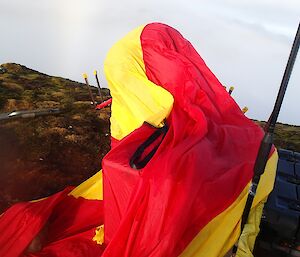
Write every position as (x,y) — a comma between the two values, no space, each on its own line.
(41,156)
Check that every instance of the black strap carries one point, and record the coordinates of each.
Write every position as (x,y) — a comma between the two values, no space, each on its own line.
(135,161)
(266,143)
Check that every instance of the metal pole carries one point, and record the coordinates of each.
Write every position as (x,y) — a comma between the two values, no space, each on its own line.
(89,88)
(29,114)
(99,87)
(266,143)
(245,109)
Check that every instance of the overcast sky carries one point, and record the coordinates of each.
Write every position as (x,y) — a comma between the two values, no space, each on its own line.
(246,43)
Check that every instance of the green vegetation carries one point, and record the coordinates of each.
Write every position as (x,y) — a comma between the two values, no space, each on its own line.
(286,136)
(43,155)
(31,88)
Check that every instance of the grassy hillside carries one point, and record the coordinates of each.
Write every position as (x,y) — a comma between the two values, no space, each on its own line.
(286,136)
(41,156)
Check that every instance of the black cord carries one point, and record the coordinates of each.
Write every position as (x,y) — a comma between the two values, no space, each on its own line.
(135,161)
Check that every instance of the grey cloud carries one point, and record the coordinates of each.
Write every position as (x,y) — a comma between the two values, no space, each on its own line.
(245,43)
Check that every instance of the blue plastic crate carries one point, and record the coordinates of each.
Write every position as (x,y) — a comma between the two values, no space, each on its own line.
(282,210)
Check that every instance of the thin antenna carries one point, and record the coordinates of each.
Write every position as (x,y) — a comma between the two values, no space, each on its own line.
(84,75)
(98,84)
(267,141)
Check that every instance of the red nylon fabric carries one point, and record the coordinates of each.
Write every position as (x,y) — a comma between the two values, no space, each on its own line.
(204,162)
(104,104)
(23,221)
(69,225)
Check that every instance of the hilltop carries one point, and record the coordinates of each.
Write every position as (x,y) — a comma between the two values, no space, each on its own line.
(286,136)
(41,156)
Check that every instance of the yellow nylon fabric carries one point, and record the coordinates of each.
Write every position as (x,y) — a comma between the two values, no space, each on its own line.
(135,98)
(91,189)
(219,235)
(99,235)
